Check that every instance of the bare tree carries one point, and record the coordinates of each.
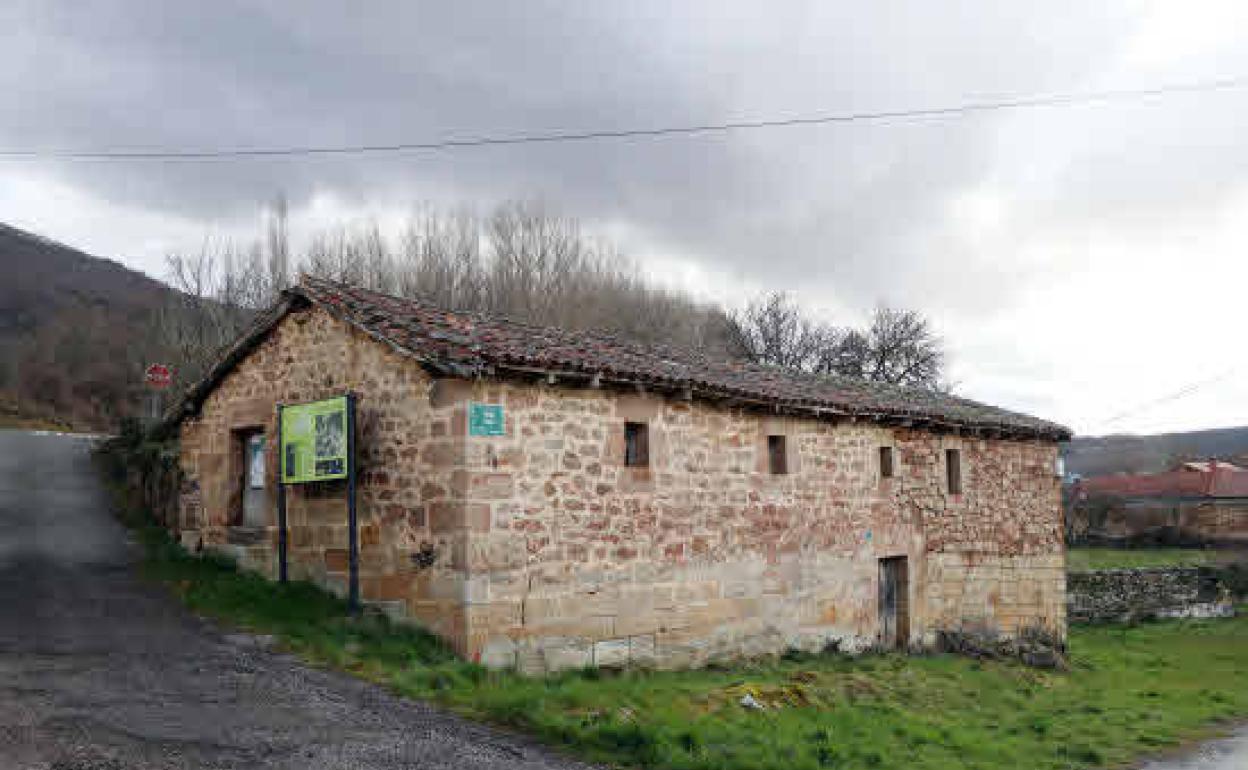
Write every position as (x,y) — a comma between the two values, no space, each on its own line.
(217,291)
(898,347)
(440,259)
(535,260)
(526,262)
(774,329)
(522,261)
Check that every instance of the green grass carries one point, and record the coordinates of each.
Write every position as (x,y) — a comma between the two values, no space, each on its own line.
(305,618)
(1131,691)
(1084,559)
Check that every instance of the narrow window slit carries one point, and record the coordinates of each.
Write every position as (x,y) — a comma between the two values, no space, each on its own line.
(777,455)
(636,444)
(953,471)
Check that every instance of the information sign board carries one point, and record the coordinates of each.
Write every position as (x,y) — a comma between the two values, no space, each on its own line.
(314,441)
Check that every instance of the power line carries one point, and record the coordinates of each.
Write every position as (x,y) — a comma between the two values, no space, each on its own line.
(1187,390)
(966,108)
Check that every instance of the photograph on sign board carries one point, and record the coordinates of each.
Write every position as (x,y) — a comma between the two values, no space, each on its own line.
(330,435)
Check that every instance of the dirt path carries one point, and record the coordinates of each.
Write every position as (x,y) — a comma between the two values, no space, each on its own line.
(1226,754)
(99,670)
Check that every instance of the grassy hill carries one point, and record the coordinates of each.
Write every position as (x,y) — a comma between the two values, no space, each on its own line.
(75,333)
(1096,455)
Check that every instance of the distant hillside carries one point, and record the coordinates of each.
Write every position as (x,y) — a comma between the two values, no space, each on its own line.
(74,331)
(1096,455)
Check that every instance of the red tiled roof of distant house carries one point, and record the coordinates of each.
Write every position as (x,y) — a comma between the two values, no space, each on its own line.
(1226,480)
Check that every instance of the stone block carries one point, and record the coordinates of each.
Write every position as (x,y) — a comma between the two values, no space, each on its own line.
(476,589)
(641,650)
(448,392)
(477,517)
(370,534)
(387,587)
(446,515)
(611,653)
(499,653)
(337,560)
(561,654)
(629,624)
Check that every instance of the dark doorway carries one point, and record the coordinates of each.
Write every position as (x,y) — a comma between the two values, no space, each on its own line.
(894,603)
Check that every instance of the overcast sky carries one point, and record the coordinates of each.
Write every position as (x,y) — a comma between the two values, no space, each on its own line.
(1079,261)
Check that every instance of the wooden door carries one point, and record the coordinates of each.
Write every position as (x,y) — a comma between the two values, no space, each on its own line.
(894,603)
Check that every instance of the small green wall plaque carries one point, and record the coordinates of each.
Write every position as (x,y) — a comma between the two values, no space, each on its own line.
(485,419)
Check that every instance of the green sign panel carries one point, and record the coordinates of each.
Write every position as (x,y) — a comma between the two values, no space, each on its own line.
(314,441)
(485,420)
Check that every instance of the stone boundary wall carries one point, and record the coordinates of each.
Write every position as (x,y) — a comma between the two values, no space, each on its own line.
(1123,595)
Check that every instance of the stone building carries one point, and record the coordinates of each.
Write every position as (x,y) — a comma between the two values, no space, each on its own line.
(641,505)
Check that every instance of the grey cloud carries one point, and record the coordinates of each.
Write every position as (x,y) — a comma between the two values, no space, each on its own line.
(834,203)
(850,213)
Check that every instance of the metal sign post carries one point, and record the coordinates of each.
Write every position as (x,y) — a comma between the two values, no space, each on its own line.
(281,503)
(353,539)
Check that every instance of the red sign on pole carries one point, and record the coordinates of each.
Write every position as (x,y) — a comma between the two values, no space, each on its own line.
(158,376)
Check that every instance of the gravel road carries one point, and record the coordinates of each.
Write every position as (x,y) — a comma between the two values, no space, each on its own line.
(100,670)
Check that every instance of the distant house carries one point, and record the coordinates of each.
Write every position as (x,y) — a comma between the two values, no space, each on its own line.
(1186,480)
(1203,501)
(626,503)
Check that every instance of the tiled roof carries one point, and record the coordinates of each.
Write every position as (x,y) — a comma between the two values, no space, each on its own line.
(471,344)
(1226,481)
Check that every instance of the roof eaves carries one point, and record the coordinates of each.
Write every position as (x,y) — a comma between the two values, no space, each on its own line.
(440,367)
(905,417)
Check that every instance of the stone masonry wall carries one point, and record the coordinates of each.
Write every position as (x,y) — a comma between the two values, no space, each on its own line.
(310,356)
(576,559)
(1117,595)
(541,549)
